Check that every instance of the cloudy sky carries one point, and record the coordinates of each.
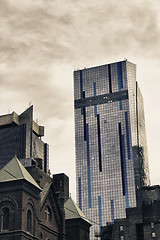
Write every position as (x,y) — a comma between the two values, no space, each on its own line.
(43,41)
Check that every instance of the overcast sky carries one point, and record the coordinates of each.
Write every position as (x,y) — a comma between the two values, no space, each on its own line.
(43,41)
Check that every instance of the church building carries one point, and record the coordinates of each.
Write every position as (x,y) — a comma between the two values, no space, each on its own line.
(28,211)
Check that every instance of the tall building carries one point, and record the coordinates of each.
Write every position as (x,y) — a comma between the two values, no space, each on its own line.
(33,205)
(110,141)
(20,135)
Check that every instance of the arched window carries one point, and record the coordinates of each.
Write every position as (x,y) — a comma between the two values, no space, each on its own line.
(29,221)
(48,214)
(5,218)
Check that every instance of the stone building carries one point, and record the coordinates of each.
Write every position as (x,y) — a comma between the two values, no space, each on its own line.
(32,202)
(77,225)
(29,210)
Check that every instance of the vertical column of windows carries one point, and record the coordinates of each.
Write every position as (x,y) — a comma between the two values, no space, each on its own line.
(127,135)
(110,82)
(100,211)
(123,165)
(81,90)
(86,138)
(81,84)
(98,127)
(125,172)
(88,167)
(112,210)
(84,119)
(99,143)
(80,197)
(120,80)
(95,107)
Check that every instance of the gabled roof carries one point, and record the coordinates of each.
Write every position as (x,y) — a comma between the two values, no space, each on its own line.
(14,170)
(72,211)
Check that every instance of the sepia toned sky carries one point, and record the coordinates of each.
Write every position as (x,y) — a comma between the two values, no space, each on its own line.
(43,41)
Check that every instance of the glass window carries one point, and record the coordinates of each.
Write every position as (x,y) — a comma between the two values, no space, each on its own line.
(121,228)
(29,221)
(153,234)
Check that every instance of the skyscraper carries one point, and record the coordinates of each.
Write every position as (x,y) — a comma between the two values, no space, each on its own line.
(110,141)
(21,136)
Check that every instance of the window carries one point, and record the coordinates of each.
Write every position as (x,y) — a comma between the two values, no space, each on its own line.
(5,219)
(29,221)
(121,228)
(41,235)
(153,234)
(48,214)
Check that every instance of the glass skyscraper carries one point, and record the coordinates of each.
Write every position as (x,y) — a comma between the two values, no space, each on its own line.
(110,141)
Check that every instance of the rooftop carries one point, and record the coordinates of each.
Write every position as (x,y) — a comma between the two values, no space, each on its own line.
(14,170)
(72,211)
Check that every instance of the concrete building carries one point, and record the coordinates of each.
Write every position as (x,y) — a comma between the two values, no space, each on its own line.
(110,141)
(141,223)
(20,135)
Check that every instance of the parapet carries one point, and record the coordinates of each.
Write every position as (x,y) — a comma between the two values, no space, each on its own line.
(25,118)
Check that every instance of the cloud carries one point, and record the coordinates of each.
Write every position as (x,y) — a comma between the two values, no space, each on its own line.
(40,32)
(38,86)
(42,41)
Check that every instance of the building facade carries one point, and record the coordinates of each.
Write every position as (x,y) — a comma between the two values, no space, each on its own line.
(29,210)
(77,225)
(141,223)
(110,141)
(20,135)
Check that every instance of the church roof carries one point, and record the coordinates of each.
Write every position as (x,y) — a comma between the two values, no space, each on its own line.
(72,211)
(14,170)
(45,192)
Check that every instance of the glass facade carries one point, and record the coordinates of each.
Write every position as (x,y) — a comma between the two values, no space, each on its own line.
(12,141)
(110,141)
(21,136)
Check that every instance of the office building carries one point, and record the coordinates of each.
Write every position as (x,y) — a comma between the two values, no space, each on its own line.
(141,223)
(20,135)
(33,205)
(110,141)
